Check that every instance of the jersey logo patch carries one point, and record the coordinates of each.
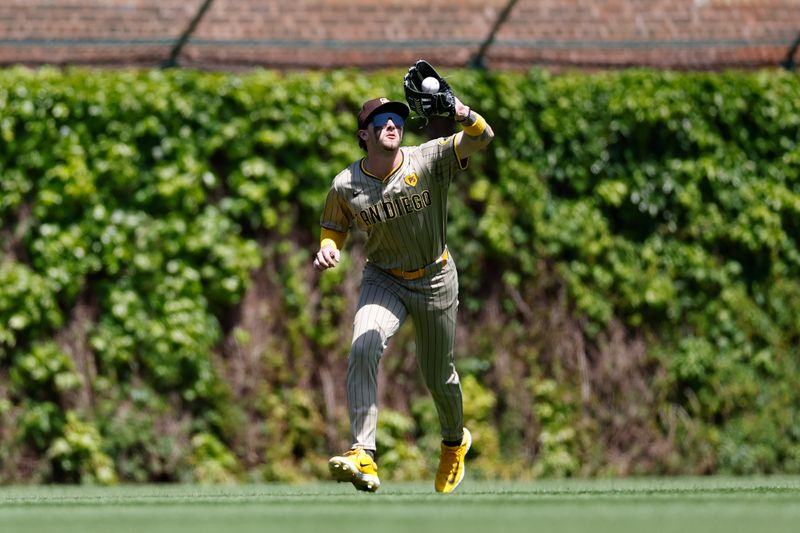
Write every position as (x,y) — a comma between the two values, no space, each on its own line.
(411,180)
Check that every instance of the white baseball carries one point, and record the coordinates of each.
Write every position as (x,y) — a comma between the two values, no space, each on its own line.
(430,85)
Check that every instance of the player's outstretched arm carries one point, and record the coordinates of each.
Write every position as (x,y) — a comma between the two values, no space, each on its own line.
(476,134)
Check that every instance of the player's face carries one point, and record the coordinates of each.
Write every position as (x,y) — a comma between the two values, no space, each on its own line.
(386,130)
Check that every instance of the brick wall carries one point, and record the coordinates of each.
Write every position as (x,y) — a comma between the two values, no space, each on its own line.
(685,34)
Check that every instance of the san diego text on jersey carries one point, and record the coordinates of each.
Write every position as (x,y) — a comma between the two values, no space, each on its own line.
(395,207)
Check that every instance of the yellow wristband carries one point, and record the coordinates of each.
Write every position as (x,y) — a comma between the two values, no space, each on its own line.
(329,237)
(476,128)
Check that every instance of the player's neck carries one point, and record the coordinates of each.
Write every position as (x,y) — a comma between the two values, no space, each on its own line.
(382,164)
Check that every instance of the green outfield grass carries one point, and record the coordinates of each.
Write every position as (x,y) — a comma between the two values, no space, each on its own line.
(635,505)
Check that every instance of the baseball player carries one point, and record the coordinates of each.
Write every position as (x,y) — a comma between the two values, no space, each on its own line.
(398,197)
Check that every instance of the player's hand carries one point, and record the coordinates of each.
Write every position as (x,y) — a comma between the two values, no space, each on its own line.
(327,257)
(462,111)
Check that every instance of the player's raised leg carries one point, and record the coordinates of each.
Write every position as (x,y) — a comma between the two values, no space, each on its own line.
(435,325)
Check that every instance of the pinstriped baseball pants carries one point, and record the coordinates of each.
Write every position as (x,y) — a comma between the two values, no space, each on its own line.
(383,305)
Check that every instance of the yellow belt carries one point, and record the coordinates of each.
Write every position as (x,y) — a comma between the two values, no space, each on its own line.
(418,273)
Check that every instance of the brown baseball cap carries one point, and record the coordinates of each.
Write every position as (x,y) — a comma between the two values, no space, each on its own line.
(380,105)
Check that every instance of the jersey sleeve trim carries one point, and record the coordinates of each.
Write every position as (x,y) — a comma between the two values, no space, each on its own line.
(334,227)
(463,163)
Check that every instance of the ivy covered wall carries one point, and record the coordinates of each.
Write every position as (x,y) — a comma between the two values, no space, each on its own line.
(629,253)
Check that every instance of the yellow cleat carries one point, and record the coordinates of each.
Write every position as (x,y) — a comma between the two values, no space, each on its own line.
(451,464)
(357,467)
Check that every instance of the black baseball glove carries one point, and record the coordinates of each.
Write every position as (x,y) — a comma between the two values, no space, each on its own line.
(428,104)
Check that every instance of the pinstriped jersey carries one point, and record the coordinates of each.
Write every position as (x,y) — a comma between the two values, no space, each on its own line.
(405,215)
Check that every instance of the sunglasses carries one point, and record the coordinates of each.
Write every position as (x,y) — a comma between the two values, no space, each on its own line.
(381,119)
